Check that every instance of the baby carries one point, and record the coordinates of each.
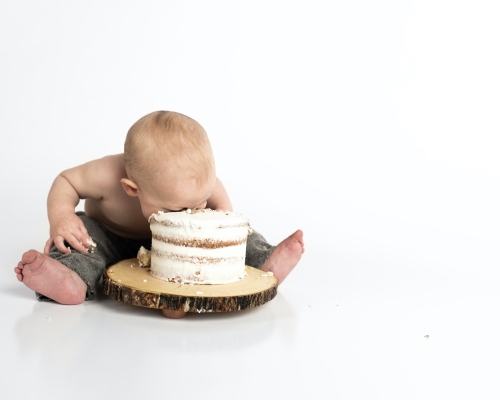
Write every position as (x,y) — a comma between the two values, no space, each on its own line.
(167,165)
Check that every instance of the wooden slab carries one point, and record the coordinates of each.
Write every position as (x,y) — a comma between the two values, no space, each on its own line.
(129,283)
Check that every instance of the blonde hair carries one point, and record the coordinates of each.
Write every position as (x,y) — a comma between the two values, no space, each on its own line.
(166,140)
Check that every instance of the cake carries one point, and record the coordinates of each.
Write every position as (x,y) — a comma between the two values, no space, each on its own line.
(144,257)
(92,245)
(202,247)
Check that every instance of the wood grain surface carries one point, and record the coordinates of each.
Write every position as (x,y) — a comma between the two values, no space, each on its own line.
(127,282)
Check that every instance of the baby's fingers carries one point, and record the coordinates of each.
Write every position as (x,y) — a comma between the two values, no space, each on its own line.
(48,245)
(76,244)
(59,242)
(85,233)
(82,240)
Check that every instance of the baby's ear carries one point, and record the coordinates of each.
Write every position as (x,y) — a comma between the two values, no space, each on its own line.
(130,187)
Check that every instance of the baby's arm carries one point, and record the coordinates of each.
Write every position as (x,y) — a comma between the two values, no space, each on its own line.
(82,182)
(219,200)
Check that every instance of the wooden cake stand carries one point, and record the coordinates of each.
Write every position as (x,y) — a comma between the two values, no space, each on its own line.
(129,283)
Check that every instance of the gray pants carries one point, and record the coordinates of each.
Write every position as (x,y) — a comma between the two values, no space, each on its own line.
(112,249)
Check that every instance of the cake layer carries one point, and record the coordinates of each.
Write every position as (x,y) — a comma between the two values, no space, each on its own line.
(203,247)
(206,237)
(200,219)
(201,260)
(182,270)
(206,243)
(230,251)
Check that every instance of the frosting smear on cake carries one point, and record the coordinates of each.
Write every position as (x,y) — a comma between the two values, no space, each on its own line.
(202,246)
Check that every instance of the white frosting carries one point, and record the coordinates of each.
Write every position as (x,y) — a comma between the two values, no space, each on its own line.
(222,272)
(142,251)
(183,233)
(214,250)
(144,257)
(92,244)
(201,218)
(230,251)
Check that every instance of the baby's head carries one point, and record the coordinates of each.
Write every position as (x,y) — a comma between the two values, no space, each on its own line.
(169,163)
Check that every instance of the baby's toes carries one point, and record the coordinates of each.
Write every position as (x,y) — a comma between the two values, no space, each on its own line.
(19,268)
(29,257)
(19,271)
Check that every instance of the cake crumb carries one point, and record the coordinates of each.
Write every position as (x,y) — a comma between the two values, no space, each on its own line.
(119,280)
(145,280)
(188,211)
(92,244)
(160,212)
(110,270)
(250,231)
(270,273)
(144,257)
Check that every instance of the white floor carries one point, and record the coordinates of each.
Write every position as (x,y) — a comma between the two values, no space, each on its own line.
(348,322)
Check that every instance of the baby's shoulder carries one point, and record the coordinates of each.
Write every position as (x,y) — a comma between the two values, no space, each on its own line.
(114,163)
(97,178)
(109,168)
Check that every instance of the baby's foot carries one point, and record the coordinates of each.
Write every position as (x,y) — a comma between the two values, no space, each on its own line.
(50,278)
(285,256)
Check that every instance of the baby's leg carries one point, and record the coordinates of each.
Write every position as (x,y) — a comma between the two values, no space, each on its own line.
(71,278)
(88,267)
(280,259)
(50,279)
(258,250)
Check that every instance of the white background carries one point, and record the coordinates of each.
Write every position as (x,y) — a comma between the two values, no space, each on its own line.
(371,126)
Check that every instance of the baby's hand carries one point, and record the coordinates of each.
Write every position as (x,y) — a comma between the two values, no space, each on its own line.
(70,228)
